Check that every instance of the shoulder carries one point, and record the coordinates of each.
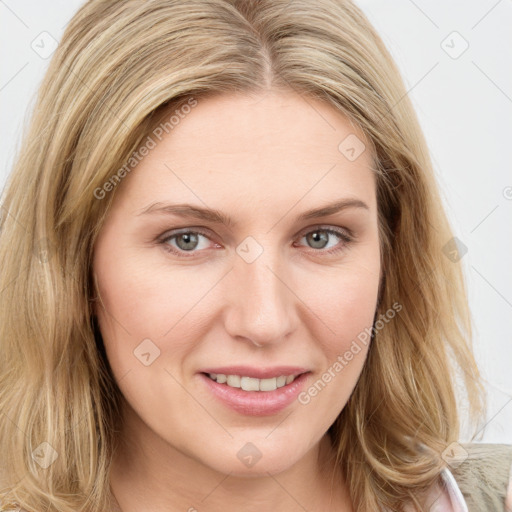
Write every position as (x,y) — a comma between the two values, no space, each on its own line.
(483,472)
(508,501)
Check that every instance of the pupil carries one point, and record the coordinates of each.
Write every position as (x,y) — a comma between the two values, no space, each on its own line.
(318,239)
(188,238)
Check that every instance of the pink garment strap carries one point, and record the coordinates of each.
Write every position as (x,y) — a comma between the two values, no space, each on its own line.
(458,504)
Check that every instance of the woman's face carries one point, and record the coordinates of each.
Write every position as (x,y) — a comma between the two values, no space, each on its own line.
(276,291)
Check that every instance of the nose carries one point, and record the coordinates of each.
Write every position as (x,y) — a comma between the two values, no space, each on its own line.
(261,303)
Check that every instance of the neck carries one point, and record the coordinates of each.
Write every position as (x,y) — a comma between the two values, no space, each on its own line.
(149,474)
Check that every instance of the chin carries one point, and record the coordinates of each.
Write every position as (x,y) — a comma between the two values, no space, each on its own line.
(250,463)
(259,470)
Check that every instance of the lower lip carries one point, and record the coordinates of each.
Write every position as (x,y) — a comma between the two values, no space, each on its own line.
(256,403)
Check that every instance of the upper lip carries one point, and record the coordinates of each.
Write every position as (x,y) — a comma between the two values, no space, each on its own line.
(257,373)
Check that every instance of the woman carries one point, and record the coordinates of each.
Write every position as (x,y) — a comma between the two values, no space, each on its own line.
(229,289)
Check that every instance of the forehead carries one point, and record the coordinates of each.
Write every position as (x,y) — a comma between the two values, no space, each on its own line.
(261,148)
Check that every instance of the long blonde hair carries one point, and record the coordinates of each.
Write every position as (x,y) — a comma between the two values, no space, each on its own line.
(119,65)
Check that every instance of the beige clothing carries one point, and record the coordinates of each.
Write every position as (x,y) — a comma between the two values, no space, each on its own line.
(484,476)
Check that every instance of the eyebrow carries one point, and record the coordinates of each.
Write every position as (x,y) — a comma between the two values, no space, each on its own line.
(218,217)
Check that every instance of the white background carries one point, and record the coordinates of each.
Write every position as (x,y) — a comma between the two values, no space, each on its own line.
(465,108)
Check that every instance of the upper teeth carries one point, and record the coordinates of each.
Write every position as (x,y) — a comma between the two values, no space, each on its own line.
(252,384)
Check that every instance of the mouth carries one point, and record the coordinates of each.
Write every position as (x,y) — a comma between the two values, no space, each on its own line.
(252,396)
(247,383)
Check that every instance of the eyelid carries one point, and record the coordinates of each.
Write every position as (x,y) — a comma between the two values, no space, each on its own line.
(179,231)
(327,227)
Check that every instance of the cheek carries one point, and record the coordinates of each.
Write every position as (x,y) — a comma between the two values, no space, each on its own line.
(345,307)
(349,304)
(344,299)
(348,309)
(144,301)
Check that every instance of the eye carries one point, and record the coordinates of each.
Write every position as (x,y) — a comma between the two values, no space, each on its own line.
(321,238)
(184,241)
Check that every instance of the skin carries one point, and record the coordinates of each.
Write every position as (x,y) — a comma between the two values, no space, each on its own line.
(262,159)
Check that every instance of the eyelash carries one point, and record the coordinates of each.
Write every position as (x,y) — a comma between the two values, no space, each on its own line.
(344,235)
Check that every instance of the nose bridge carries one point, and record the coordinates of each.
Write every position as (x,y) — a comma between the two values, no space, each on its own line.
(261,305)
